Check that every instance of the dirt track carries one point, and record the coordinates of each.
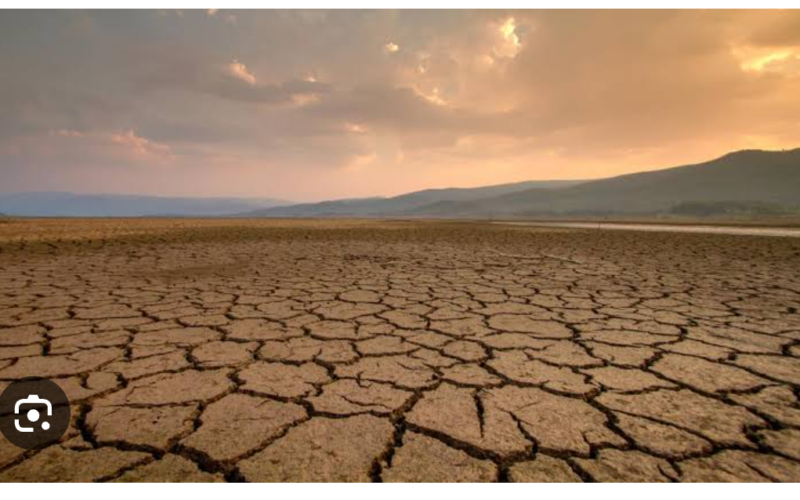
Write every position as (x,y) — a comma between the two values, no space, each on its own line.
(403,351)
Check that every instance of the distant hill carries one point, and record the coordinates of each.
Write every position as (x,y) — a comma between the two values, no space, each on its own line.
(745,182)
(403,203)
(767,178)
(58,204)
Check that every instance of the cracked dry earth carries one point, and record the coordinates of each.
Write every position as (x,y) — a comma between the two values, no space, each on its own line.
(212,350)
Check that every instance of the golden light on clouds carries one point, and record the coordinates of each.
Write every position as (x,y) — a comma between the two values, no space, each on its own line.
(467,97)
(508,30)
(434,96)
(240,71)
(770,59)
(510,44)
(139,145)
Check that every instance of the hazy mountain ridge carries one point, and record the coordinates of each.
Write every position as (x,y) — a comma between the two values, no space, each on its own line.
(771,177)
(62,204)
(745,181)
(402,203)
(749,181)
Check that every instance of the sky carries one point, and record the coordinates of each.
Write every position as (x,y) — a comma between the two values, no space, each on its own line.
(313,105)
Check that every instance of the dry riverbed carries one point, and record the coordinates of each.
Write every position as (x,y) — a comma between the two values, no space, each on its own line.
(249,350)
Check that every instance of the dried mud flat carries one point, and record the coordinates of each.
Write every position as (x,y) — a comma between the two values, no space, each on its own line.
(211,350)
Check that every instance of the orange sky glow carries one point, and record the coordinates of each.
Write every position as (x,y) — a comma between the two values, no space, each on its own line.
(312,105)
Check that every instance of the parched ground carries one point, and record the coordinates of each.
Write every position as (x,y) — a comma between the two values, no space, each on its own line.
(212,350)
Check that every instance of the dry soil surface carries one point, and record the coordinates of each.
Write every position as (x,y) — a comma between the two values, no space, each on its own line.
(215,350)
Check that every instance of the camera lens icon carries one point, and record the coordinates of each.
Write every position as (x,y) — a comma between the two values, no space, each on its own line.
(33,415)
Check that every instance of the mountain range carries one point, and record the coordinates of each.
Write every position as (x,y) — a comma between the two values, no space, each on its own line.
(748,181)
(60,204)
(403,204)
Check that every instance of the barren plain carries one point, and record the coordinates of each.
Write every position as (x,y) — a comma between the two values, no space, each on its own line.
(268,350)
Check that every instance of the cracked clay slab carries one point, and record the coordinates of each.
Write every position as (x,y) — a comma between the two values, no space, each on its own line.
(369,350)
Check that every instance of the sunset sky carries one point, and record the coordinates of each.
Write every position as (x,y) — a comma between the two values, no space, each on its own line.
(311,105)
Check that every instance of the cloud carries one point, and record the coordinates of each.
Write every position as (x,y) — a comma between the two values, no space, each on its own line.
(295,92)
(509,44)
(139,145)
(186,71)
(785,60)
(240,71)
(463,97)
(774,28)
(120,143)
(434,96)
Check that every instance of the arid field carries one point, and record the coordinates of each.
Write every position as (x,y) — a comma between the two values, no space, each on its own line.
(269,350)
